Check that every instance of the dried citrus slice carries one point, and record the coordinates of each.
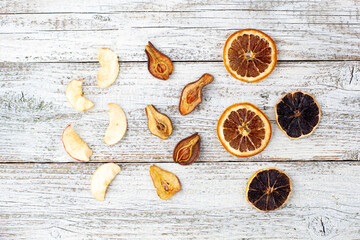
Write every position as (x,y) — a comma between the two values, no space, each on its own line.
(244,130)
(297,114)
(268,189)
(249,55)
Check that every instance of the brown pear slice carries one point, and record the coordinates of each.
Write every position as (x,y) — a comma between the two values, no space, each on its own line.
(166,183)
(187,150)
(191,95)
(159,65)
(159,124)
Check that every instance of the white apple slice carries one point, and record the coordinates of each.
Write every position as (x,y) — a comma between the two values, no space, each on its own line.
(101,179)
(117,124)
(74,94)
(75,146)
(109,70)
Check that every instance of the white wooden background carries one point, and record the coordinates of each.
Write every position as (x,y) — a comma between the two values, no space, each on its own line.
(45,194)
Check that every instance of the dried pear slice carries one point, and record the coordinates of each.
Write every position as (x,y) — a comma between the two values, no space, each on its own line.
(191,94)
(166,183)
(187,150)
(158,123)
(159,65)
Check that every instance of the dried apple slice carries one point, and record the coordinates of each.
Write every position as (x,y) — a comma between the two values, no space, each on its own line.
(74,94)
(159,124)
(109,70)
(75,146)
(101,179)
(159,65)
(166,183)
(117,124)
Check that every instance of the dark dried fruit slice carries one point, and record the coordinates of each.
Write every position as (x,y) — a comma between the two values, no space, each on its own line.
(191,94)
(159,65)
(249,55)
(158,123)
(268,189)
(244,130)
(187,150)
(297,114)
(166,183)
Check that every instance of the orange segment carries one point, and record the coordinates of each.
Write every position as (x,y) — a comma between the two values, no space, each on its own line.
(249,55)
(244,130)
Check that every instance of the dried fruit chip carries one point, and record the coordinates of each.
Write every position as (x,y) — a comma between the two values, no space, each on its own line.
(166,183)
(75,146)
(244,130)
(74,95)
(297,114)
(249,55)
(191,94)
(117,124)
(187,150)
(101,179)
(268,189)
(159,65)
(109,70)
(159,124)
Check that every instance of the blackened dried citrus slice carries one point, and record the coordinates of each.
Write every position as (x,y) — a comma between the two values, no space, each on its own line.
(268,189)
(249,55)
(297,114)
(244,130)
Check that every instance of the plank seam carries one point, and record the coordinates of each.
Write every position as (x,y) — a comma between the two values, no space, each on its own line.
(183,11)
(182,61)
(201,162)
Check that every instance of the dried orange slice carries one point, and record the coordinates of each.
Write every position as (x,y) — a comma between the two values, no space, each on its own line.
(268,189)
(297,114)
(249,55)
(244,130)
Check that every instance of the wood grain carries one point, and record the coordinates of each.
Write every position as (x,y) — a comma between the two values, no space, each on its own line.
(45,194)
(53,201)
(34,111)
(334,7)
(184,36)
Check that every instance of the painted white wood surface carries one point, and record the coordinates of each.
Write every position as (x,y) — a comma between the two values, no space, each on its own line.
(35,111)
(331,8)
(310,32)
(45,194)
(53,201)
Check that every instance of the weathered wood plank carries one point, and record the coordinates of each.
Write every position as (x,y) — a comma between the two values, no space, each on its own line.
(184,36)
(335,7)
(34,110)
(53,201)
